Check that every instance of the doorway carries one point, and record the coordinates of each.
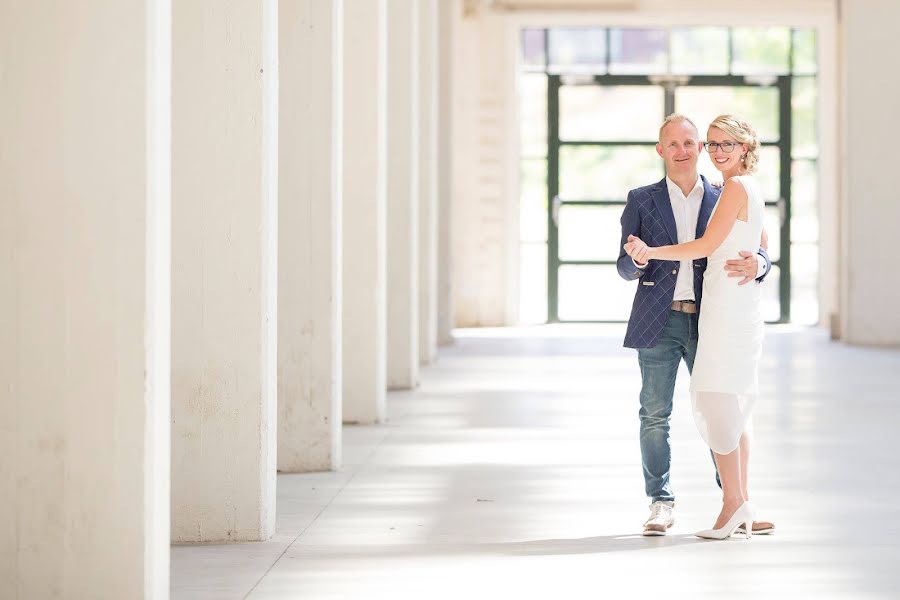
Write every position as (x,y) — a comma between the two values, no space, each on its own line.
(602,107)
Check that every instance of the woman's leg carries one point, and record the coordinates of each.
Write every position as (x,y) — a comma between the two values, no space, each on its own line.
(721,424)
(744,447)
(731,474)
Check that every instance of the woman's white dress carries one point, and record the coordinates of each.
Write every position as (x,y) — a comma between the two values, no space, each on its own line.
(724,382)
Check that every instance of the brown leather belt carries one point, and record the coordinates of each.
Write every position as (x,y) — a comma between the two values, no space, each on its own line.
(685,306)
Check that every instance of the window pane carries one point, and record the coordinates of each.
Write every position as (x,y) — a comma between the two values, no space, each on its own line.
(606,172)
(760,50)
(771,305)
(594,293)
(533,114)
(622,113)
(533,283)
(533,48)
(804,202)
(642,51)
(757,105)
(803,112)
(804,283)
(769,172)
(804,51)
(589,232)
(533,201)
(578,50)
(773,228)
(700,50)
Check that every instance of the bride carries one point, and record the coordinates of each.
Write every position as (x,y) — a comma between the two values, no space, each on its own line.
(724,380)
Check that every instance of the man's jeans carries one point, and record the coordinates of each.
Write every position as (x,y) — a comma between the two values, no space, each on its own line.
(659,366)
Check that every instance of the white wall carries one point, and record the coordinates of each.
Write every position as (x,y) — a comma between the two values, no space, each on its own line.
(84,304)
(869,197)
(309,240)
(365,212)
(429,72)
(403,195)
(445,317)
(224,222)
(483,200)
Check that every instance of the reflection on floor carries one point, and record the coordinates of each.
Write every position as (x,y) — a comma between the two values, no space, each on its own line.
(514,472)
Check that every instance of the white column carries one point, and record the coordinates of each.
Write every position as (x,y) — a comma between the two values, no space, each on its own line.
(84,299)
(485,244)
(403,192)
(445,322)
(224,212)
(870,211)
(429,72)
(309,299)
(365,207)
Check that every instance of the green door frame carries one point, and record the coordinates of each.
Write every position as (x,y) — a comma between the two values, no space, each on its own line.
(555,203)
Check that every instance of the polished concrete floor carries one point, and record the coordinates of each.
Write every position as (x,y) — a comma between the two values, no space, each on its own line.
(514,472)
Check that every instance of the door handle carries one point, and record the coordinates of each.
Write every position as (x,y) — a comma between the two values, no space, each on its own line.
(554,210)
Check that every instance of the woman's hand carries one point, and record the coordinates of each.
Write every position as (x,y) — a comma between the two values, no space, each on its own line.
(638,250)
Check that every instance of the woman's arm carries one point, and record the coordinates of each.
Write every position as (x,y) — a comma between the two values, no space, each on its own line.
(734,198)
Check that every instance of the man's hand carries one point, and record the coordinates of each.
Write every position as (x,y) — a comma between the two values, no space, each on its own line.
(745,267)
(637,250)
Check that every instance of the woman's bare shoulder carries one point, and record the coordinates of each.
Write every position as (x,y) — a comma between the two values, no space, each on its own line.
(736,186)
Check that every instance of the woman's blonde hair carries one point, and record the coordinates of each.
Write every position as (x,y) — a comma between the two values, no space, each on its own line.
(742,132)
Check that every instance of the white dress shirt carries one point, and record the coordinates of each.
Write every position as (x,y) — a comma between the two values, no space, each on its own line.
(687,211)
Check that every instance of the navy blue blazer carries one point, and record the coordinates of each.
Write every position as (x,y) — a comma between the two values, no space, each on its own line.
(648,215)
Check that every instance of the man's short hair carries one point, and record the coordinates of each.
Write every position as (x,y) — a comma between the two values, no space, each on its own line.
(676,118)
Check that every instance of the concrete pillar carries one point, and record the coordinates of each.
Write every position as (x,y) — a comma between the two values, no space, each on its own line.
(429,72)
(224,211)
(365,205)
(84,299)
(485,164)
(309,251)
(403,192)
(868,295)
(445,322)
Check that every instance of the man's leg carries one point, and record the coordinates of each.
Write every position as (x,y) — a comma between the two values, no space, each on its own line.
(659,366)
(690,353)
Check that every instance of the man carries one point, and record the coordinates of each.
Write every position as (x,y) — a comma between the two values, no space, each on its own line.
(663,322)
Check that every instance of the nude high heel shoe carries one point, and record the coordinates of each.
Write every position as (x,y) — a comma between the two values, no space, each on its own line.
(743,515)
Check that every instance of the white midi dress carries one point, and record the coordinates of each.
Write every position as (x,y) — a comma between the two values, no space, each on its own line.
(724,382)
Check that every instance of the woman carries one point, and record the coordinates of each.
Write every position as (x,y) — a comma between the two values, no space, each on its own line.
(724,380)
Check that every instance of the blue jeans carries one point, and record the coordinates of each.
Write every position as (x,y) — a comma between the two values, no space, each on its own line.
(659,366)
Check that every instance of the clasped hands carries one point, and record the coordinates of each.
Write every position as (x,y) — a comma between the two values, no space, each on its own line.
(639,251)
(744,267)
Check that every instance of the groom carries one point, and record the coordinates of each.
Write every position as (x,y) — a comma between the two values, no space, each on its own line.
(663,323)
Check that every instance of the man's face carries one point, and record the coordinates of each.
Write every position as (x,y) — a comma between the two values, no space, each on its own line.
(679,145)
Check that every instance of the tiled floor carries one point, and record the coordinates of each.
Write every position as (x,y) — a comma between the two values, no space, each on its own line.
(514,472)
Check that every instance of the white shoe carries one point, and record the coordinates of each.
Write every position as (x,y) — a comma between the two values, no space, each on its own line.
(759,528)
(742,516)
(662,516)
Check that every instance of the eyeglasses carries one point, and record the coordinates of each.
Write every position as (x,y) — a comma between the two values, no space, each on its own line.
(712,147)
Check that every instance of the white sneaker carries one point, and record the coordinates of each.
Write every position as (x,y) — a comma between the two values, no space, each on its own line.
(662,516)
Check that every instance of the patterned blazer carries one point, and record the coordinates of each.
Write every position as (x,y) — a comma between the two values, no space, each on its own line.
(648,215)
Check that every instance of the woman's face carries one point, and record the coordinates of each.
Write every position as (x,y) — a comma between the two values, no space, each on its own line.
(724,151)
